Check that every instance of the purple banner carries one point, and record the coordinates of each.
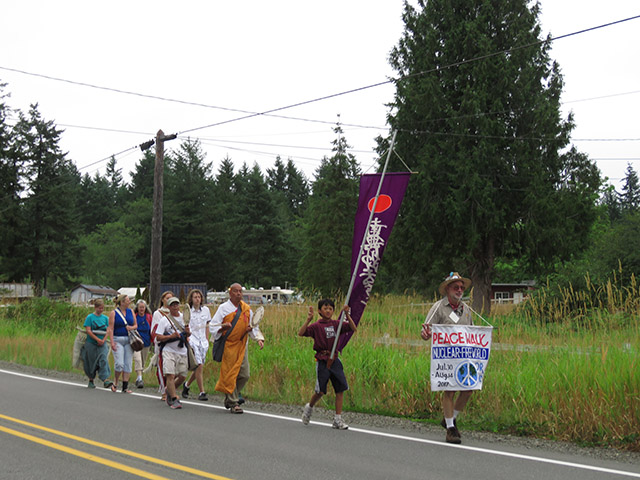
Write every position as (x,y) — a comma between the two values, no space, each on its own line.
(392,192)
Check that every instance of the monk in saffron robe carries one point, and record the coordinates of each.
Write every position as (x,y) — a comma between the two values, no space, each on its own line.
(234,368)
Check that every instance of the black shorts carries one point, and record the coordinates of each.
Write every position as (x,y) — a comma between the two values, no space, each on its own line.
(336,375)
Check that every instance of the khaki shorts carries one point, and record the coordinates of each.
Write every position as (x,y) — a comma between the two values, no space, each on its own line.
(140,358)
(174,364)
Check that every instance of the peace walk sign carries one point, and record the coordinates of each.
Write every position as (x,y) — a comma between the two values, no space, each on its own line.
(459,356)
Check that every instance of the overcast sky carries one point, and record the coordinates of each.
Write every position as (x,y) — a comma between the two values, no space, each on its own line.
(234,58)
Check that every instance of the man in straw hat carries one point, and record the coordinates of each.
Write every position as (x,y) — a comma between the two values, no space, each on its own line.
(450,310)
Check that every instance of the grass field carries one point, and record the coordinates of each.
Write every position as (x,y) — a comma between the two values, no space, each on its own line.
(575,380)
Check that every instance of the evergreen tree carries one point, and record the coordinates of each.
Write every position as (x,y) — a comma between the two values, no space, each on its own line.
(291,191)
(611,202)
(260,249)
(12,225)
(487,137)
(97,207)
(117,187)
(328,222)
(630,196)
(277,176)
(297,189)
(225,227)
(225,177)
(187,215)
(142,177)
(50,246)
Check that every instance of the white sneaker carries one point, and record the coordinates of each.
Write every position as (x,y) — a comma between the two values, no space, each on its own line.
(339,423)
(306,414)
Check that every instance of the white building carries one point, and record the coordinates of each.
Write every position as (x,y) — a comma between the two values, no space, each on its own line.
(86,293)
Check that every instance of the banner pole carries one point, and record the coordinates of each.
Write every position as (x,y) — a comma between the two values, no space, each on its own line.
(481,317)
(364,237)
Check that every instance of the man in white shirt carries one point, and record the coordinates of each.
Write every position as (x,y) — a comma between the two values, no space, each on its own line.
(171,335)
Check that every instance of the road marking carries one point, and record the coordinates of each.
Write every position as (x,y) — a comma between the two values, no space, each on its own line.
(86,456)
(380,434)
(105,446)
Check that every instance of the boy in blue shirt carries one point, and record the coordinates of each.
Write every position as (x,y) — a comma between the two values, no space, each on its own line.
(323,333)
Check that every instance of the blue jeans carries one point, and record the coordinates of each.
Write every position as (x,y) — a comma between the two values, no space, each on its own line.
(123,355)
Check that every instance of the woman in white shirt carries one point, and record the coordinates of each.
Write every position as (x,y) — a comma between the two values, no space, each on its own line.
(160,313)
(198,318)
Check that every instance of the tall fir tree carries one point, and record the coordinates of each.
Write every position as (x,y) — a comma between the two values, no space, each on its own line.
(630,196)
(224,226)
(117,187)
(50,246)
(327,235)
(187,215)
(277,176)
(97,206)
(477,111)
(611,202)
(141,185)
(297,188)
(12,220)
(260,246)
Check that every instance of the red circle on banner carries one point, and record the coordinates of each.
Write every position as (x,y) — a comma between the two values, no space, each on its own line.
(384,202)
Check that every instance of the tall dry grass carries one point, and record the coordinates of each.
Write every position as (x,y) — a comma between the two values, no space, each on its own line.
(573,378)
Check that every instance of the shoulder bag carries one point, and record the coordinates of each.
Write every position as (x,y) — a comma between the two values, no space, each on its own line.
(191,357)
(78,345)
(135,340)
(217,351)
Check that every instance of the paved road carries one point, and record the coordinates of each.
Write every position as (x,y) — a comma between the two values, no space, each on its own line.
(53,429)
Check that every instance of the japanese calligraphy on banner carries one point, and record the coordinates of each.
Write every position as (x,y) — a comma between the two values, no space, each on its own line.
(459,356)
(376,236)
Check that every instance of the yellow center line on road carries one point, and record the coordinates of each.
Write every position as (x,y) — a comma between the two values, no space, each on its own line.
(86,456)
(105,446)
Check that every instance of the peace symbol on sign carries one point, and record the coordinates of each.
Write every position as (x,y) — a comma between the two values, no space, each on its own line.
(467,374)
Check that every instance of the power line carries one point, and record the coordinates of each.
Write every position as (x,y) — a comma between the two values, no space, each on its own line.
(302,147)
(425,72)
(270,112)
(318,99)
(103,129)
(602,97)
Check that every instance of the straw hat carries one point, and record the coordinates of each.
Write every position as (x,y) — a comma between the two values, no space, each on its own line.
(453,277)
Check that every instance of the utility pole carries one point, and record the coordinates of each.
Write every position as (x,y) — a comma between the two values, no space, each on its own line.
(155,274)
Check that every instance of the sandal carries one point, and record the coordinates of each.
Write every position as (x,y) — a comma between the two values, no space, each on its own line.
(127,391)
(235,409)
(111,385)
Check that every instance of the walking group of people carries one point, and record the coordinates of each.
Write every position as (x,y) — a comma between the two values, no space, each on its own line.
(170,330)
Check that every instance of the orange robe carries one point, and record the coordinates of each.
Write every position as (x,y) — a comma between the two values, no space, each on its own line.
(234,350)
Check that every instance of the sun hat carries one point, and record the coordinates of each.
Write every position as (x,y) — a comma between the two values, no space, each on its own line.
(173,300)
(453,277)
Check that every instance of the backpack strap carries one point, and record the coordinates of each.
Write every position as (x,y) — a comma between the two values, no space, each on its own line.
(233,324)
